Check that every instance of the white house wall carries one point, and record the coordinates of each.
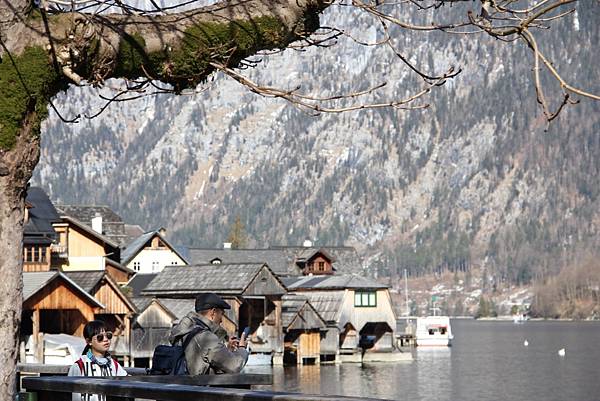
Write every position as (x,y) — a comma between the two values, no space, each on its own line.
(359,316)
(154,260)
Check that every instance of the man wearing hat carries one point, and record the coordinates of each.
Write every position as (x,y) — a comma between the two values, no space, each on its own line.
(208,351)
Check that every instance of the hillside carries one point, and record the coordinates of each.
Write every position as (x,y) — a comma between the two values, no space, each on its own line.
(478,179)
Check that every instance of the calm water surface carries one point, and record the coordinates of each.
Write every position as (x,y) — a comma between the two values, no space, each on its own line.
(487,362)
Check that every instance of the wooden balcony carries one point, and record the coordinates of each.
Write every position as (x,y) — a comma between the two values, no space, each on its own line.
(59,251)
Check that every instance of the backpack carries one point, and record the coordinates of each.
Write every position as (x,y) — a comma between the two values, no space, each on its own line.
(170,359)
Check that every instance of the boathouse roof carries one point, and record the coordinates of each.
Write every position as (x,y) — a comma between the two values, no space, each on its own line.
(233,279)
(34,282)
(334,282)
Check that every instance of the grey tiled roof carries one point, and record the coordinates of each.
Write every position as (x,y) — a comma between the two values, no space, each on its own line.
(132,231)
(189,280)
(290,306)
(41,215)
(35,281)
(139,282)
(182,306)
(327,303)
(331,282)
(88,229)
(86,279)
(141,303)
(179,307)
(135,246)
(275,258)
(308,253)
(112,224)
(346,259)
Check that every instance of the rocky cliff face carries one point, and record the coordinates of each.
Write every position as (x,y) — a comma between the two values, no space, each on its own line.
(477,178)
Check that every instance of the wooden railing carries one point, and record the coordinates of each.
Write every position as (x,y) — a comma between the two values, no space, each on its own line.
(179,388)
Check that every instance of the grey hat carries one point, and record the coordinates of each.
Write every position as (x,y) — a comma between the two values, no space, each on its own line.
(210,300)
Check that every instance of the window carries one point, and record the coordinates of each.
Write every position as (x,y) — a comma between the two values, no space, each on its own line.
(35,253)
(155,266)
(365,298)
(321,266)
(174,263)
(136,266)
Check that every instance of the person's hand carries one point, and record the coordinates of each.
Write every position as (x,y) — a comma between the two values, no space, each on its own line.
(233,344)
(243,341)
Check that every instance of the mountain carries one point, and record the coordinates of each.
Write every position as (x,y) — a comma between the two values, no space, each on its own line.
(477,179)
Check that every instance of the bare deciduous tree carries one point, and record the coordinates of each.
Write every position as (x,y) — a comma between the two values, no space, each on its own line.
(47,44)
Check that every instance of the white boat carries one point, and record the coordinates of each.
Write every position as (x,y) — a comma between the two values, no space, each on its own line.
(434,331)
(520,318)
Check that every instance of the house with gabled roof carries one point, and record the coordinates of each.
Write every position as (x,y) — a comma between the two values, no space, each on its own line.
(303,329)
(101,218)
(151,252)
(253,291)
(86,249)
(358,312)
(41,249)
(118,311)
(53,304)
(343,259)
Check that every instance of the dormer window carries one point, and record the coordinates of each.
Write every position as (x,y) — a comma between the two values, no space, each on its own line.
(216,261)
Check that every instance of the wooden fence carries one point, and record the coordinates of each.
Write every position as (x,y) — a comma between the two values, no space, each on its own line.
(60,388)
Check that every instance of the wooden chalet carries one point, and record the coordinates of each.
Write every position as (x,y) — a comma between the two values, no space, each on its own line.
(88,250)
(303,329)
(150,253)
(118,310)
(358,313)
(315,262)
(253,291)
(54,304)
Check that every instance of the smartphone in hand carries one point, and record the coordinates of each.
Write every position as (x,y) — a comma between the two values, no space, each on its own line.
(246,332)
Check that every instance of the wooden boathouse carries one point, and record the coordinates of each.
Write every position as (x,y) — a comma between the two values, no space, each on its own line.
(253,291)
(52,304)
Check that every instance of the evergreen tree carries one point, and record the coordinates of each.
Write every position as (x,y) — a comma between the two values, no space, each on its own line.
(237,234)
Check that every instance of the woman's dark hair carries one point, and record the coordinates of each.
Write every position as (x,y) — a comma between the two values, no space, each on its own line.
(90,330)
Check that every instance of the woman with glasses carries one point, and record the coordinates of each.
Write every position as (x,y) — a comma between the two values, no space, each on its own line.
(95,359)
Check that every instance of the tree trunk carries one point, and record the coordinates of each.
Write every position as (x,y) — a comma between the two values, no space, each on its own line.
(38,54)
(16,167)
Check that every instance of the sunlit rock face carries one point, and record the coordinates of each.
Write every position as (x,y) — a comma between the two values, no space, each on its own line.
(473,178)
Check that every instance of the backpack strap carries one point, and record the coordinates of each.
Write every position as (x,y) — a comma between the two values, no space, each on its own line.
(79,363)
(199,328)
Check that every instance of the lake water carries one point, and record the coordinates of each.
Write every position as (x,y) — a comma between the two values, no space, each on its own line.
(487,361)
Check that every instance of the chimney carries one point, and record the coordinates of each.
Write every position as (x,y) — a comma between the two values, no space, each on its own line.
(307,243)
(97,223)
(226,245)
(162,231)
